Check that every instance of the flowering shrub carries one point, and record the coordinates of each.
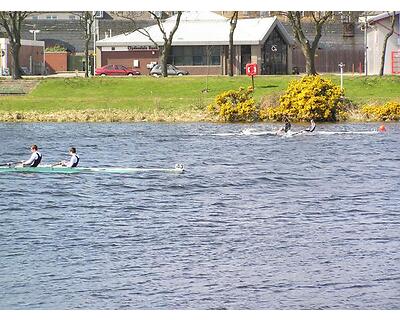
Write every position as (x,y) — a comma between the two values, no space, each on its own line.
(389,111)
(311,97)
(235,106)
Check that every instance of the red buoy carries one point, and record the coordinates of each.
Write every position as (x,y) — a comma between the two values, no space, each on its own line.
(382,128)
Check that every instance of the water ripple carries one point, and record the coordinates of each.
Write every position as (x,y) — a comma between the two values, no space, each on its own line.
(257,222)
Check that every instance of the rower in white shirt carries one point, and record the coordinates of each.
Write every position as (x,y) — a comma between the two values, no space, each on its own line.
(73,162)
(35,158)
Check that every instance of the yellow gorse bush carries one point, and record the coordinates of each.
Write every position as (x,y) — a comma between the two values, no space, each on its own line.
(235,106)
(311,97)
(390,111)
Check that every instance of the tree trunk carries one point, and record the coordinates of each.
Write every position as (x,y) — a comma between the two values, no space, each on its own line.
(231,53)
(86,58)
(385,40)
(164,59)
(309,55)
(15,68)
(230,58)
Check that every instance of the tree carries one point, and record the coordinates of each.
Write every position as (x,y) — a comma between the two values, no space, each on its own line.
(12,22)
(86,19)
(308,48)
(385,40)
(165,49)
(232,23)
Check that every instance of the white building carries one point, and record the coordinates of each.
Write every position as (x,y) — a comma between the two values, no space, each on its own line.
(378,27)
(200,45)
(31,56)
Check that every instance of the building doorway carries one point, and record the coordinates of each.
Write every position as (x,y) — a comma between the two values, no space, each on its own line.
(275,54)
(245,58)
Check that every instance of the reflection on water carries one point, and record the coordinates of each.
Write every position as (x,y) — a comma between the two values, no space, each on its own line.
(257,222)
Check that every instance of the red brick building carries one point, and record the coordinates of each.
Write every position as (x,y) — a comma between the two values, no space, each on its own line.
(31,57)
(200,45)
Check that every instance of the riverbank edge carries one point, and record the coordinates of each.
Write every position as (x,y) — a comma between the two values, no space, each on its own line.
(127,116)
(110,115)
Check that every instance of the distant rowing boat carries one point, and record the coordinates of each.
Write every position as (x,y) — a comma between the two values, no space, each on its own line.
(57,169)
(254,132)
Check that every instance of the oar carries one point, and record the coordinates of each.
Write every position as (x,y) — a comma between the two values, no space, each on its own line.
(8,164)
(56,164)
(299,132)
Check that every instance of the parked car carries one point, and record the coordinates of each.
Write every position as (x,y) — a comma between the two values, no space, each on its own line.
(116,70)
(171,71)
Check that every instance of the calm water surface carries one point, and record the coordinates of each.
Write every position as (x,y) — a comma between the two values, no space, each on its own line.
(256,222)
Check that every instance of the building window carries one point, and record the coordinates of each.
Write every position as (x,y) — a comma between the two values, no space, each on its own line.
(215,56)
(72,17)
(35,17)
(195,56)
(51,17)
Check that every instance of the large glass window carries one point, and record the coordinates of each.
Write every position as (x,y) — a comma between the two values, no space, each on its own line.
(195,55)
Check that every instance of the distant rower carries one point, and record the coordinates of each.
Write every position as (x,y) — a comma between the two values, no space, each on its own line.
(73,162)
(311,128)
(35,158)
(287,126)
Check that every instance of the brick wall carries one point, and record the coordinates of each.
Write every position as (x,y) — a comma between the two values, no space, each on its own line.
(126,58)
(30,59)
(202,70)
(56,62)
(145,57)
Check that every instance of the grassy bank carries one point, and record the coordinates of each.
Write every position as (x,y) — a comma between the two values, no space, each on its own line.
(158,99)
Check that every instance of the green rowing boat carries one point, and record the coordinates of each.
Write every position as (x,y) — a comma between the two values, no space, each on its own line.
(58,169)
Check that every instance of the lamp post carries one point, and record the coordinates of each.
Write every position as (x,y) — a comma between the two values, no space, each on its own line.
(365,45)
(94,41)
(341,66)
(34,31)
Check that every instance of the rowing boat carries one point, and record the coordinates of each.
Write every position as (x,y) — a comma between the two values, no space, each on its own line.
(58,169)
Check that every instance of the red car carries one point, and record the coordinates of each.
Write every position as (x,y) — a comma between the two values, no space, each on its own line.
(116,70)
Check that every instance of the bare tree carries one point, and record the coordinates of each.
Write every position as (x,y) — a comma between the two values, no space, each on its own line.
(86,19)
(308,48)
(385,40)
(165,49)
(12,22)
(232,23)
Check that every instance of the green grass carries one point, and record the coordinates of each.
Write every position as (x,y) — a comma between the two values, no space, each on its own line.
(173,94)
(371,90)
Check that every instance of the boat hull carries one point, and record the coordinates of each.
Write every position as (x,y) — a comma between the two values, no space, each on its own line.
(65,170)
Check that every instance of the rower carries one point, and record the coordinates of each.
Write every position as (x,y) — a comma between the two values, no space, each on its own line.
(73,162)
(311,128)
(287,126)
(35,158)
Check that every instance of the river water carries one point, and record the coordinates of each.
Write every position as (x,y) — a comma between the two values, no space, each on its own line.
(256,222)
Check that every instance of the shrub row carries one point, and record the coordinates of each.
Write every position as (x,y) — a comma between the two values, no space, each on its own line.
(311,97)
(390,111)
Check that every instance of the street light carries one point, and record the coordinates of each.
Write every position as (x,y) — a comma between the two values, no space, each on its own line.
(94,41)
(364,27)
(34,31)
(341,66)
